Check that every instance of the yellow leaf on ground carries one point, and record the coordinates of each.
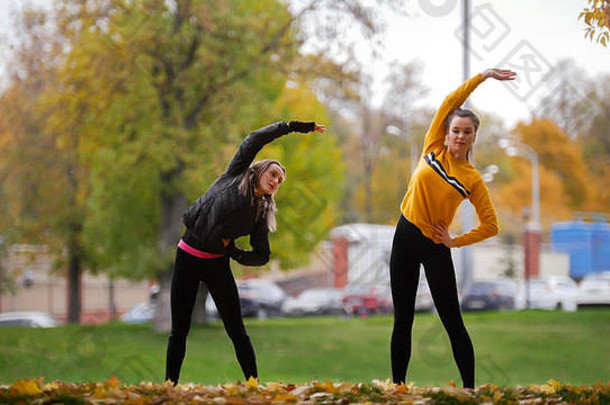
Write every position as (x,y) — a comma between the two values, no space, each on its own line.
(25,387)
(252,383)
(285,398)
(112,382)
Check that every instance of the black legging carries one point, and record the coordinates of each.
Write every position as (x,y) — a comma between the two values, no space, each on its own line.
(216,274)
(410,249)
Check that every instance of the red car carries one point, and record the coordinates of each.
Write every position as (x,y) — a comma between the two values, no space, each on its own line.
(363,301)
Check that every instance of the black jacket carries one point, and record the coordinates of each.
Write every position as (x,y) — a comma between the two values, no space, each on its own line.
(224,212)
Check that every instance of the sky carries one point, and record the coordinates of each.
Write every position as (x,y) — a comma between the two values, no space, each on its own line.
(528,36)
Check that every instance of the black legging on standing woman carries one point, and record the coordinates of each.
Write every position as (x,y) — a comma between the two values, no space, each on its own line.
(410,249)
(216,274)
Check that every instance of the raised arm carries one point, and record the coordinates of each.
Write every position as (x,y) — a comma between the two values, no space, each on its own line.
(435,137)
(255,141)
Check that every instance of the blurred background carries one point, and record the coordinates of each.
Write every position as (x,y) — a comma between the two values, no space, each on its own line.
(115,115)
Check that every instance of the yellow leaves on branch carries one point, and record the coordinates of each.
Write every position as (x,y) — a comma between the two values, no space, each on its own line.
(597,18)
(112,391)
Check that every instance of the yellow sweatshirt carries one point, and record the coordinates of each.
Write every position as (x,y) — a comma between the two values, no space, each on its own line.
(441,182)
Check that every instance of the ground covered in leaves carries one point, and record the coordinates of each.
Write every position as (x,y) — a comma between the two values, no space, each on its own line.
(112,391)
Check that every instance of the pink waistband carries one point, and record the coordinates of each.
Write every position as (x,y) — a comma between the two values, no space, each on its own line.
(196,252)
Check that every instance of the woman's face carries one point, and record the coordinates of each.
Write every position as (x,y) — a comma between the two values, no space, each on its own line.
(270,180)
(461,136)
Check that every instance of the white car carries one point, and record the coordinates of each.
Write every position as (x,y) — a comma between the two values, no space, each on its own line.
(141,313)
(594,290)
(31,319)
(549,292)
(315,301)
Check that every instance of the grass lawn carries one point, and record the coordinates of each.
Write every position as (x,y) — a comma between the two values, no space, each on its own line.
(512,348)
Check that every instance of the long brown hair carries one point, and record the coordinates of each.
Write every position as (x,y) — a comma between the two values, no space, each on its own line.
(265,205)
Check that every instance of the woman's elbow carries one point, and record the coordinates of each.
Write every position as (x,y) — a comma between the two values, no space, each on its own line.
(494,228)
(264,259)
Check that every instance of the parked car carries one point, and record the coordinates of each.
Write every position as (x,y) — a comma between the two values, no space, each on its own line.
(496,294)
(367,300)
(30,319)
(550,292)
(594,290)
(260,298)
(140,313)
(315,301)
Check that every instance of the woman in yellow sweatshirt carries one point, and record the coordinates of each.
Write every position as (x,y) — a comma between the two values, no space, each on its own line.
(443,179)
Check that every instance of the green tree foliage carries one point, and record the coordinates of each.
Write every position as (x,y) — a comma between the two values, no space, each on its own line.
(147,102)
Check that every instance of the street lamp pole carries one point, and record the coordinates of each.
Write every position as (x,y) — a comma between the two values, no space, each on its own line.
(532,232)
(529,153)
(466,210)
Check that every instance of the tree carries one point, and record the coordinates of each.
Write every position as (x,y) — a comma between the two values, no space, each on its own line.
(568,101)
(597,19)
(151,89)
(377,161)
(178,79)
(596,144)
(565,183)
(561,155)
(579,105)
(514,195)
(42,176)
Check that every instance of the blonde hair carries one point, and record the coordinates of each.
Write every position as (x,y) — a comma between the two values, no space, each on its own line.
(265,205)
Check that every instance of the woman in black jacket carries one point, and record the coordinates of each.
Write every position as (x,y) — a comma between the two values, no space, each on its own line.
(239,203)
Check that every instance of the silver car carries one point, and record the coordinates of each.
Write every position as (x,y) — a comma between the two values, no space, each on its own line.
(315,301)
(30,319)
(594,290)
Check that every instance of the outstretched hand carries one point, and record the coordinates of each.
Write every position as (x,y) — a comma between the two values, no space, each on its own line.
(319,128)
(499,74)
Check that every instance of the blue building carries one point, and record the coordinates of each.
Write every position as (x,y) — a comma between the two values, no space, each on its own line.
(587,243)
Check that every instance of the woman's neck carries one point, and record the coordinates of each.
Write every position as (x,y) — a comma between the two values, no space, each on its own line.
(458,157)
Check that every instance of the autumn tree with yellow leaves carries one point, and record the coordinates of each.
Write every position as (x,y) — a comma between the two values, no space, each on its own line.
(597,19)
(144,104)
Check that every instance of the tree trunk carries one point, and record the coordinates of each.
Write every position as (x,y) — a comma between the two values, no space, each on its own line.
(367,156)
(111,299)
(163,320)
(172,207)
(74,283)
